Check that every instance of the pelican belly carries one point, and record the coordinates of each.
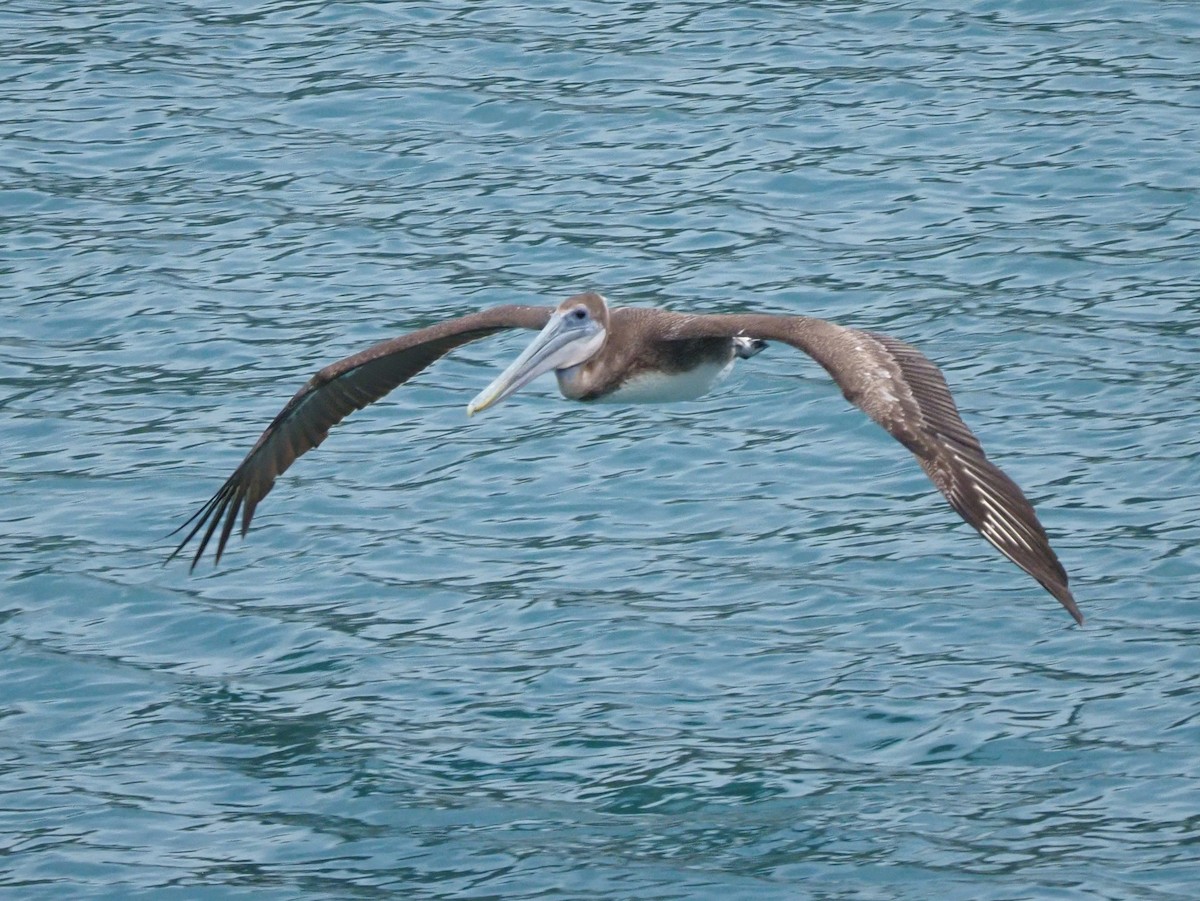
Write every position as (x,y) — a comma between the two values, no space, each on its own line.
(654,386)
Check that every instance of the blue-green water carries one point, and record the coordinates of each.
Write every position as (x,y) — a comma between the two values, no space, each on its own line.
(730,649)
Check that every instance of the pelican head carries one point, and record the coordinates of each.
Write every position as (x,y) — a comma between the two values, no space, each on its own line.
(575,333)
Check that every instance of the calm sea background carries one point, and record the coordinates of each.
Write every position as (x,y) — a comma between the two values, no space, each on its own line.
(737,648)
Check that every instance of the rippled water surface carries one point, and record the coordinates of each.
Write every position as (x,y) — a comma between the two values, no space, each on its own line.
(728,649)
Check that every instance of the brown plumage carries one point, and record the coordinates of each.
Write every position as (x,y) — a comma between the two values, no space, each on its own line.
(329,397)
(650,354)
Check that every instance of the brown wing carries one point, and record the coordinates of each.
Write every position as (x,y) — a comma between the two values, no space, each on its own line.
(329,397)
(899,388)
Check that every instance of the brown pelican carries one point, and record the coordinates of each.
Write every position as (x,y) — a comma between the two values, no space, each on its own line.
(644,355)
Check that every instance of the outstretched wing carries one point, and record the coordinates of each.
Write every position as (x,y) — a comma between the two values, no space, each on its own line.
(329,397)
(899,388)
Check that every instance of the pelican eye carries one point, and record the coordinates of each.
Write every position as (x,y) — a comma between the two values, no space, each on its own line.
(579,314)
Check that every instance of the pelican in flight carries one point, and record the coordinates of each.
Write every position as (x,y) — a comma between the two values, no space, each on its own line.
(642,355)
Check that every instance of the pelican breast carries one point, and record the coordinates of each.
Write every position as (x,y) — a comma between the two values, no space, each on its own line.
(653,386)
